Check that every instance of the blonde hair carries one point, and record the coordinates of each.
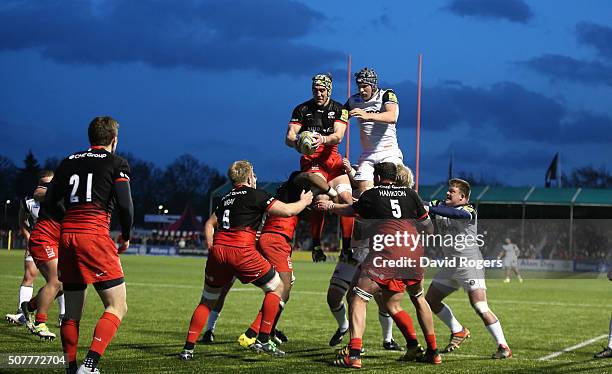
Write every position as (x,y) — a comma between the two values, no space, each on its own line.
(404,176)
(240,171)
(462,185)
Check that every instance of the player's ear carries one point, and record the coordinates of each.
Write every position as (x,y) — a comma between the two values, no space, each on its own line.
(114,143)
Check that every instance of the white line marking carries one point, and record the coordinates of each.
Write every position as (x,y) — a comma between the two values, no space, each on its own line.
(573,347)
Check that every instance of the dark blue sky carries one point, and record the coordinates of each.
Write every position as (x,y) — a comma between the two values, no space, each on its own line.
(506,83)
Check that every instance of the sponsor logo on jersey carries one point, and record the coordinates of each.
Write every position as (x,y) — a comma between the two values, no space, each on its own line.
(392,97)
(87,154)
(345,115)
(331,115)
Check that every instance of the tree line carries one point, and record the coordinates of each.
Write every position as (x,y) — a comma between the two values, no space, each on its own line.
(185,181)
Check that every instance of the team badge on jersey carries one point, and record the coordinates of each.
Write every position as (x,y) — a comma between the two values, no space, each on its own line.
(392,97)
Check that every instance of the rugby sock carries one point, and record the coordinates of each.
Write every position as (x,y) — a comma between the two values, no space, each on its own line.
(498,334)
(340,316)
(355,346)
(25,294)
(198,319)
(610,335)
(346,224)
(431,342)
(269,309)
(281,307)
(254,329)
(61,304)
(404,323)
(69,331)
(40,318)
(103,334)
(386,322)
(446,315)
(317,220)
(212,320)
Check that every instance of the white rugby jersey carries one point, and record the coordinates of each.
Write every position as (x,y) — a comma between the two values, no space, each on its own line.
(511,250)
(31,207)
(376,136)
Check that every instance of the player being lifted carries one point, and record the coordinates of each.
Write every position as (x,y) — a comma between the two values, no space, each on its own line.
(230,235)
(43,246)
(92,183)
(456,216)
(275,245)
(377,110)
(389,209)
(328,120)
(28,214)
(509,254)
(342,277)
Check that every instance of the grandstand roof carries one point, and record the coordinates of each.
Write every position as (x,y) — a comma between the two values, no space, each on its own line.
(497,195)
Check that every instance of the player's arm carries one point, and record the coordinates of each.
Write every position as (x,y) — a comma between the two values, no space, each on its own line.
(209,229)
(24,224)
(423,221)
(278,208)
(450,212)
(292,135)
(339,209)
(388,115)
(125,209)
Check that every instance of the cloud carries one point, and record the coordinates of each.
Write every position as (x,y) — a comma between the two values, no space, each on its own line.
(569,68)
(596,36)
(512,10)
(504,112)
(205,35)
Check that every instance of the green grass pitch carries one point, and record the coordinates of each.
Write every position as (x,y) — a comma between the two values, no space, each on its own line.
(539,317)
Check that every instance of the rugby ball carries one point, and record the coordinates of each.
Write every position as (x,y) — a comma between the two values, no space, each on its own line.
(306,143)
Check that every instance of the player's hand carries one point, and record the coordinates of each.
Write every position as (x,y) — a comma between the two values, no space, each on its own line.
(318,140)
(324,205)
(123,244)
(346,163)
(360,114)
(318,255)
(306,197)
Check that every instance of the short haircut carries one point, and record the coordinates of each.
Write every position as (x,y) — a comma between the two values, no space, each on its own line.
(462,185)
(44,174)
(239,171)
(386,171)
(404,176)
(102,130)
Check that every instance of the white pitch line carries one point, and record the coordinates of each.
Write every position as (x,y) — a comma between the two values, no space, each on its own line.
(573,347)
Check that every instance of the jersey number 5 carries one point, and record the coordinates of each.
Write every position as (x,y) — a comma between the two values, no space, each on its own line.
(74,182)
(396,210)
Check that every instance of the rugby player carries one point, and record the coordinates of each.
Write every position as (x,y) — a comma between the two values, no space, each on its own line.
(456,216)
(377,110)
(230,235)
(92,183)
(328,120)
(43,247)
(28,214)
(509,254)
(388,209)
(607,351)
(347,266)
(275,245)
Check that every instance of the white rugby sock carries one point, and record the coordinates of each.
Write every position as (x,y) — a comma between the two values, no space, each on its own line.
(610,335)
(340,316)
(498,334)
(446,315)
(25,294)
(211,323)
(386,322)
(61,304)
